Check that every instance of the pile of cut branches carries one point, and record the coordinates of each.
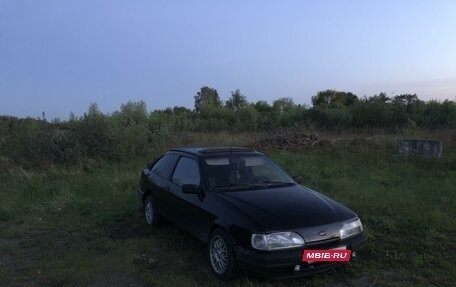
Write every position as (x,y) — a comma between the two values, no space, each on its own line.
(293,138)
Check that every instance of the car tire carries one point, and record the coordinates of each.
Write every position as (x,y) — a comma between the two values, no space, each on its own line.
(222,259)
(151,214)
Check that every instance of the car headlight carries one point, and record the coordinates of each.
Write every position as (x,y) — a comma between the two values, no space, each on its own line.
(278,240)
(351,228)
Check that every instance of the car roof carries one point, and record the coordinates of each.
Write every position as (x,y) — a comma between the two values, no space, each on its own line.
(219,150)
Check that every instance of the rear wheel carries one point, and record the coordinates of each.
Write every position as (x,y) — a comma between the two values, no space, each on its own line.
(221,255)
(150,212)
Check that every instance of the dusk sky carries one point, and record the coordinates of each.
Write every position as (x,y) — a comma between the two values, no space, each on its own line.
(59,56)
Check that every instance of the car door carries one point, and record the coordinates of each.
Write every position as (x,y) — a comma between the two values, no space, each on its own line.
(190,210)
(160,177)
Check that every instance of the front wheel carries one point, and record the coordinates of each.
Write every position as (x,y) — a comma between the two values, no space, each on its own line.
(221,255)
(150,212)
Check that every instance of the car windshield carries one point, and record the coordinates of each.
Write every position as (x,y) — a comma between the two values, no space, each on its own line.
(234,172)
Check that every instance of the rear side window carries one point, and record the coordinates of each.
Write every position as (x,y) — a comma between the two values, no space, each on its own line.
(164,166)
(187,172)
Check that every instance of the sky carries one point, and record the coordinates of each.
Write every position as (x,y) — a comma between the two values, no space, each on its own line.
(59,56)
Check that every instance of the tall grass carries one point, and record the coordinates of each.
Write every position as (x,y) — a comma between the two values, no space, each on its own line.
(81,226)
(407,205)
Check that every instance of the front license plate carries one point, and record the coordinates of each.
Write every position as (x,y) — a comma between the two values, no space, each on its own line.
(338,254)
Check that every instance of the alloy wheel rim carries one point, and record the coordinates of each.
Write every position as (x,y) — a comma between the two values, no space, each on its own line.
(149,212)
(218,254)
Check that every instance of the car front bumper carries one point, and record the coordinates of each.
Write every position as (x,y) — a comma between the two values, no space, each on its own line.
(282,263)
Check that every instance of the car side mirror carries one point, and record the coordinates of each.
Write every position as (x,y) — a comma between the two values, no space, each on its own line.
(190,188)
(298,179)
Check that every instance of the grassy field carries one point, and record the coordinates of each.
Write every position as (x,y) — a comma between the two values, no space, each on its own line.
(82,226)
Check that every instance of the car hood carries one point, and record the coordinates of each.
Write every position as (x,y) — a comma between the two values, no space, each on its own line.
(287,208)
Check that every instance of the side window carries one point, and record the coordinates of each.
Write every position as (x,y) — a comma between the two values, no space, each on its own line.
(187,172)
(164,166)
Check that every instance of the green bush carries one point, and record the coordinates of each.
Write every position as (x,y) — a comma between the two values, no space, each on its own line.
(134,131)
(95,132)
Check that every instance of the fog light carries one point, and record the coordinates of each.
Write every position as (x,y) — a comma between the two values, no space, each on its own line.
(297,268)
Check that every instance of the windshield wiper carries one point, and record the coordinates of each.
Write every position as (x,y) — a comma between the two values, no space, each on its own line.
(234,186)
(279,182)
(253,185)
(276,183)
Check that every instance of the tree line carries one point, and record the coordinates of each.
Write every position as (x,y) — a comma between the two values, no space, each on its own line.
(134,131)
(330,109)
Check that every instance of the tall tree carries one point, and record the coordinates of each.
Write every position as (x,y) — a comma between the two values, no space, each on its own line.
(404,107)
(236,101)
(207,97)
(283,104)
(333,98)
(262,107)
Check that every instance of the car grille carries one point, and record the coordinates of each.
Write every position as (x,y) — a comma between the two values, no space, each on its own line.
(324,244)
